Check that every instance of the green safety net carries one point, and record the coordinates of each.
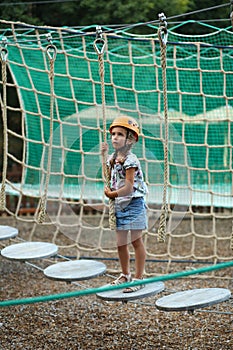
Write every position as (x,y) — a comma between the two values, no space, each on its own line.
(200,107)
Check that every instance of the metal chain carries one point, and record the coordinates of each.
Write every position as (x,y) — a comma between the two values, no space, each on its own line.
(162,34)
(3,55)
(99,46)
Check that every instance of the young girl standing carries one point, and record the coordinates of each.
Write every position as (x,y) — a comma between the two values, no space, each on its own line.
(128,189)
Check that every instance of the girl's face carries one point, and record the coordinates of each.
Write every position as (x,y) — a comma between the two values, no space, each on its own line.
(119,135)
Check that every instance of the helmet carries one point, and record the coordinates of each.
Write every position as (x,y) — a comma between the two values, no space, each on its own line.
(126,122)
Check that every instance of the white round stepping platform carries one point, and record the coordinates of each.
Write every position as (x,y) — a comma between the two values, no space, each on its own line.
(118,295)
(7,232)
(190,300)
(29,250)
(75,270)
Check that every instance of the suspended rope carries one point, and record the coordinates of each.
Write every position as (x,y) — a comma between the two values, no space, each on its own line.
(99,46)
(162,34)
(3,55)
(51,52)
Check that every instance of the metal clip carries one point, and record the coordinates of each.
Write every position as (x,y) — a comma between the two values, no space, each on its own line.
(51,49)
(163,28)
(4,51)
(99,43)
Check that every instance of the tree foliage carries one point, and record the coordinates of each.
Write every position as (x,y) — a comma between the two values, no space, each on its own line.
(92,12)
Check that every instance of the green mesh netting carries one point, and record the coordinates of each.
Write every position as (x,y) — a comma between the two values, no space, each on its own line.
(200,103)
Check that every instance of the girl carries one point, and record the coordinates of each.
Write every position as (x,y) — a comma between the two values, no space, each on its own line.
(128,189)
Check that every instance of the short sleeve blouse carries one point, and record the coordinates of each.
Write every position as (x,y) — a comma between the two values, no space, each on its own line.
(118,174)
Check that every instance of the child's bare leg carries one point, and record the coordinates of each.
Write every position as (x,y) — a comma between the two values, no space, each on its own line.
(123,252)
(140,253)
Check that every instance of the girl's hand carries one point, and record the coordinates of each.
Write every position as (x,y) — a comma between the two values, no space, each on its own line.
(104,148)
(109,193)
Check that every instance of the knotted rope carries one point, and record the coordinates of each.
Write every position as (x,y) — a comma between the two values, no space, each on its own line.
(99,46)
(162,34)
(51,53)
(3,56)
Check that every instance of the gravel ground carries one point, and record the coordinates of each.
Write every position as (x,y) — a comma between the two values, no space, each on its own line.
(88,322)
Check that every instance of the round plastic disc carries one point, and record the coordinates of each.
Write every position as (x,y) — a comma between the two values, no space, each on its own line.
(193,299)
(118,295)
(7,232)
(29,250)
(75,270)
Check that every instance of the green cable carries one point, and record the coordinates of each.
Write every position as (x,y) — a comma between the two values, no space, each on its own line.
(45,298)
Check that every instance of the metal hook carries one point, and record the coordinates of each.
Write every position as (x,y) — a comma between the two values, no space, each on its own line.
(98,32)
(99,43)
(4,51)
(162,19)
(49,38)
(163,28)
(51,49)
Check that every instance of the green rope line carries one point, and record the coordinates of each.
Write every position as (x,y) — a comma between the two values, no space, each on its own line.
(46,298)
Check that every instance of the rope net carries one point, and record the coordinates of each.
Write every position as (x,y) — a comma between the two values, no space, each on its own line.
(55,125)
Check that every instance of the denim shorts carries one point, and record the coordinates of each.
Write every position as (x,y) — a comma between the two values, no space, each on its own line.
(132,216)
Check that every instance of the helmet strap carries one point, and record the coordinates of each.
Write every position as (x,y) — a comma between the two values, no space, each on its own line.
(129,142)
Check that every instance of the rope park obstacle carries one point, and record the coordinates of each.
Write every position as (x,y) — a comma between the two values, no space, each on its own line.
(60,94)
(189,300)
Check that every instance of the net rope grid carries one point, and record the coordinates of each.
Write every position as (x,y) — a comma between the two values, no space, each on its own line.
(41,210)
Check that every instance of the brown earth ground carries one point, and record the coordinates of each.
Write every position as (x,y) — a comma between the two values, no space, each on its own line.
(90,323)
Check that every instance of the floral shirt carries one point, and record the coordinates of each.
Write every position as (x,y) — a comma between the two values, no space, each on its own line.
(118,173)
